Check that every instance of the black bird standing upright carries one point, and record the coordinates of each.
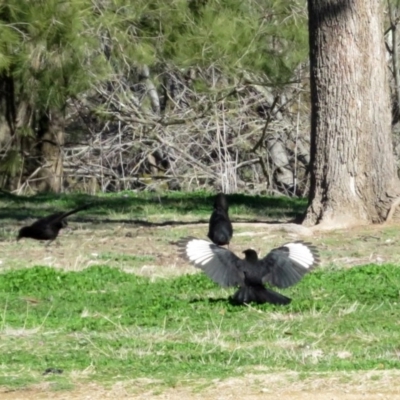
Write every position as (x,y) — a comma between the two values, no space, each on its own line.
(220,226)
(47,228)
(281,267)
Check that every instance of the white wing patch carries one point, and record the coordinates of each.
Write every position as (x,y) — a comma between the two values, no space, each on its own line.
(301,254)
(199,251)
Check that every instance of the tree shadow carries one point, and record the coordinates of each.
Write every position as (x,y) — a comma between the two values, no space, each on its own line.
(20,208)
(210,300)
(230,300)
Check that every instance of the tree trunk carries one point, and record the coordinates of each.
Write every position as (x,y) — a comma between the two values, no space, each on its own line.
(353,173)
(51,135)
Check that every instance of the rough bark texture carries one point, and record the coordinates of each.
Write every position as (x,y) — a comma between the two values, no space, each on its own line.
(353,174)
(51,134)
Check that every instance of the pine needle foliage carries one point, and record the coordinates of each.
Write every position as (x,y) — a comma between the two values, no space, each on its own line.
(55,49)
(52,52)
(258,35)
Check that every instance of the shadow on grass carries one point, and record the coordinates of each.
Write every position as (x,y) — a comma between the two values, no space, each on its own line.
(210,300)
(197,204)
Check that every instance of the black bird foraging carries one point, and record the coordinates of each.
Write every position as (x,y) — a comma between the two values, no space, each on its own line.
(220,227)
(281,267)
(47,228)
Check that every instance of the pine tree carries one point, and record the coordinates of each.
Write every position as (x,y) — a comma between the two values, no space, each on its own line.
(52,51)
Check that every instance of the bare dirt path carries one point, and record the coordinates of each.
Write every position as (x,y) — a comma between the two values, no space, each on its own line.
(371,385)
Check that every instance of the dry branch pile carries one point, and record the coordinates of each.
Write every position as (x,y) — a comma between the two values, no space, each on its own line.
(234,135)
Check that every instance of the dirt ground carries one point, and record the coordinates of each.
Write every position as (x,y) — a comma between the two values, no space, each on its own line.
(382,385)
(84,245)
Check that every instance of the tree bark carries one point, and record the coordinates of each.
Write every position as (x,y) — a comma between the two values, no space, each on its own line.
(353,172)
(51,135)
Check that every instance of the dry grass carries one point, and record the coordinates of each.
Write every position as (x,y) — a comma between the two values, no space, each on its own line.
(373,385)
(90,244)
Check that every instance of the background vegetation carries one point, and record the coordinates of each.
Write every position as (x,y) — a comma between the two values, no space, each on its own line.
(177,94)
(183,94)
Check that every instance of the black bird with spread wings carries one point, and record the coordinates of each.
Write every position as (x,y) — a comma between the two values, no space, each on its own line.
(47,228)
(220,227)
(281,267)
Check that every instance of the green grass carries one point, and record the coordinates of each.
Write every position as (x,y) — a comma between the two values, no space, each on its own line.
(105,324)
(118,326)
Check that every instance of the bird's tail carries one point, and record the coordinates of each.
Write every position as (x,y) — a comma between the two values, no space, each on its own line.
(221,202)
(259,294)
(220,235)
(75,210)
